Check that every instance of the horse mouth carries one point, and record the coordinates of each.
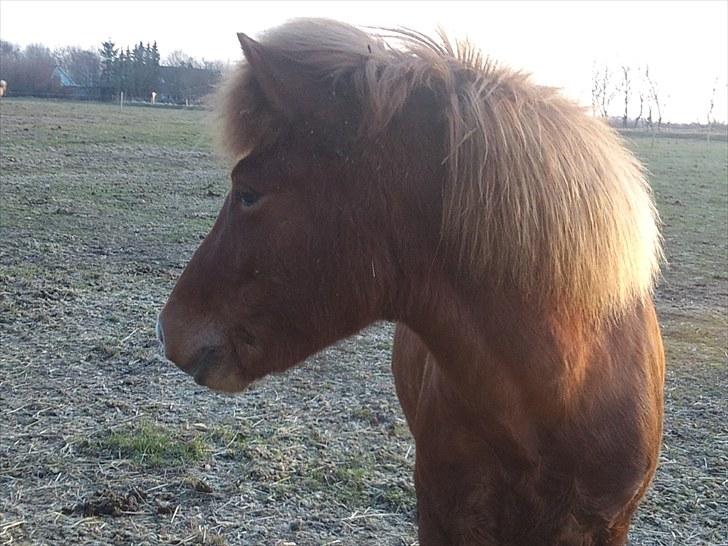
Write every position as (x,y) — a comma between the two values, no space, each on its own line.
(203,362)
(211,367)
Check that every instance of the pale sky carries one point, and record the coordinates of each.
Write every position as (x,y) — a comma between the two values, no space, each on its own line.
(685,43)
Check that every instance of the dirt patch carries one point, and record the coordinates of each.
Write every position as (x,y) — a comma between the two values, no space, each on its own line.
(109,503)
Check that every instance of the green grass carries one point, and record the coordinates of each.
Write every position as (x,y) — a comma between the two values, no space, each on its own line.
(88,187)
(275,458)
(152,445)
(76,125)
(690,182)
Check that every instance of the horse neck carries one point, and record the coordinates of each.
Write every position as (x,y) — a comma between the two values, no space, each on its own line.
(498,351)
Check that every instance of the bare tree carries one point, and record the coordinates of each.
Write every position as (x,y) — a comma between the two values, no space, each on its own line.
(638,117)
(603,92)
(645,99)
(36,69)
(181,59)
(655,99)
(82,65)
(596,90)
(10,57)
(626,88)
(711,107)
(8,53)
(642,88)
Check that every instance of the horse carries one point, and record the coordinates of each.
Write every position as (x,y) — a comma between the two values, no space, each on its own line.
(392,176)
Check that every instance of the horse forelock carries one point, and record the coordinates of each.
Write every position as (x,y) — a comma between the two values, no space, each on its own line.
(539,195)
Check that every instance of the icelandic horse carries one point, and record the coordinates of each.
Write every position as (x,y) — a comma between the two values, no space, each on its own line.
(511,237)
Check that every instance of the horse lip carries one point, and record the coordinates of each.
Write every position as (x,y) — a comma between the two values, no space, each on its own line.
(213,368)
(204,360)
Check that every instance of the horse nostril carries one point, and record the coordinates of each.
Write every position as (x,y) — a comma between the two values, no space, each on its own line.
(160,332)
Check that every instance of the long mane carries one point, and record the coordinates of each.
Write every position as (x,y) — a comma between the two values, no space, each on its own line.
(539,195)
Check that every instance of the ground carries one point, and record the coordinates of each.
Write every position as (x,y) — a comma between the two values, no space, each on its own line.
(103,442)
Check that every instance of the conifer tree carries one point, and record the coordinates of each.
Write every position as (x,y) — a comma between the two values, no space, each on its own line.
(109,60)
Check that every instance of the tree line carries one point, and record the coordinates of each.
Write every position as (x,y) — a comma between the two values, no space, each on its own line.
(631,85)
(641,98)
(136,71)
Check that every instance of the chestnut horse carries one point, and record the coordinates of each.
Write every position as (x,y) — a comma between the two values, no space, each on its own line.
(512,238)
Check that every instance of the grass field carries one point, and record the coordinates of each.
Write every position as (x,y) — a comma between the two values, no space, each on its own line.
(103,442)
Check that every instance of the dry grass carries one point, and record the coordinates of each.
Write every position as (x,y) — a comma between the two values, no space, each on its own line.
(102,442)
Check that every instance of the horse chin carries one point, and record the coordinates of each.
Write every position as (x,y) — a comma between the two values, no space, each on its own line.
(227,383)
(214,369)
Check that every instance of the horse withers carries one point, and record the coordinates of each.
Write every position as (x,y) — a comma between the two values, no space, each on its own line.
(511,237)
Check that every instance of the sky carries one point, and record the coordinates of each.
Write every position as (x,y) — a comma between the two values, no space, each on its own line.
(685,43)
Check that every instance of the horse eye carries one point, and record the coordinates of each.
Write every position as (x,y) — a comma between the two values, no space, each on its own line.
(249,197)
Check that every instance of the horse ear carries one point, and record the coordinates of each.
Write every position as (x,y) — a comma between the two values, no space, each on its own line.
(282,79)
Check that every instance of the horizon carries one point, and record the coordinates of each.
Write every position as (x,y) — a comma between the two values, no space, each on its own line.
(566,41)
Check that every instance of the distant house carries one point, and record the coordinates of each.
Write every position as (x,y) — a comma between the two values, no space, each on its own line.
(61,78)
(185,85)
(64,86)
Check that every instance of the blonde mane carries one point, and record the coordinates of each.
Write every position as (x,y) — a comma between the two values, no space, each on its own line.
(540,195)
